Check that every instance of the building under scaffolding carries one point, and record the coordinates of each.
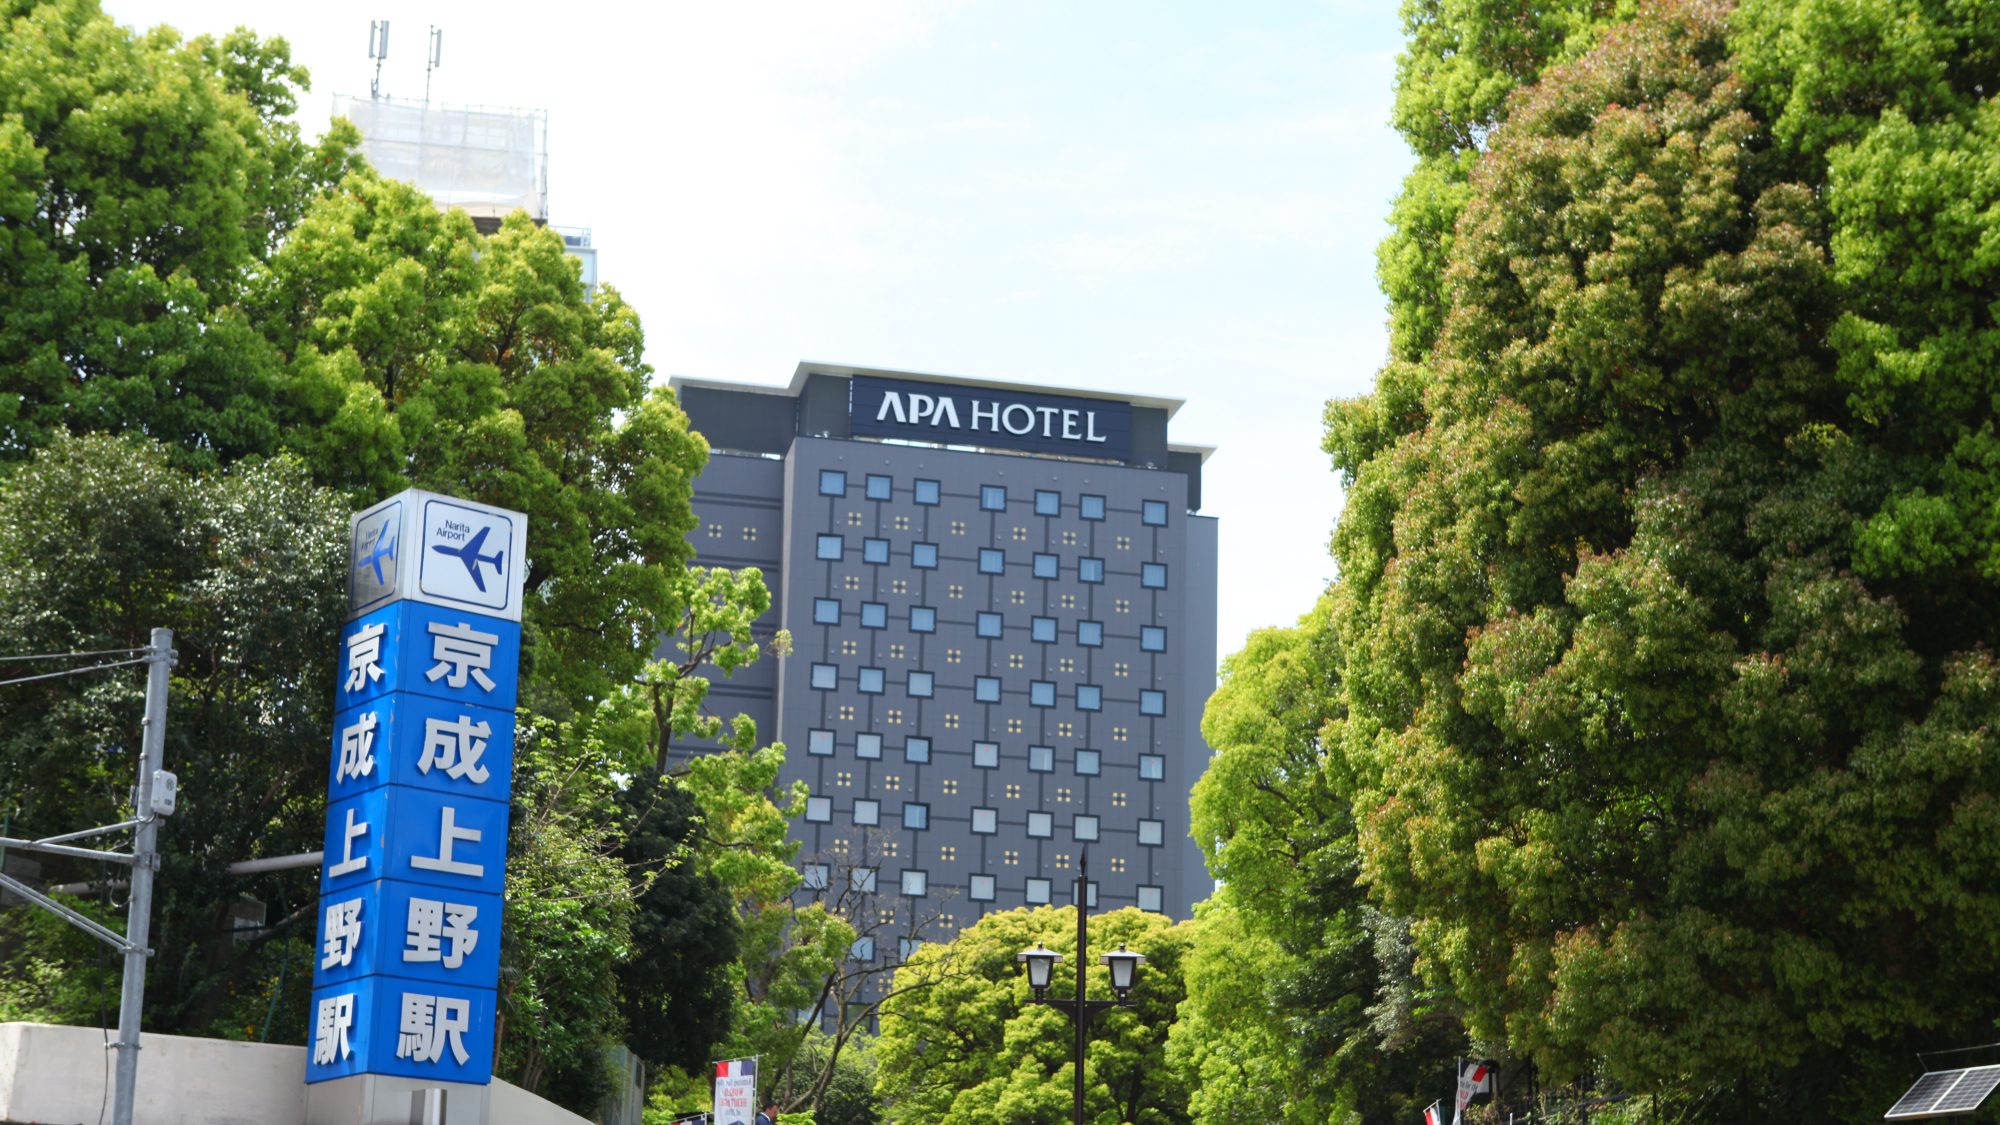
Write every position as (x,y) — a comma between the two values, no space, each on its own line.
(489,160)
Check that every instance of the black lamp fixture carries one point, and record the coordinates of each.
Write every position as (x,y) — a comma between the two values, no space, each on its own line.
(1041,964)
(1123,963)
(1124,967)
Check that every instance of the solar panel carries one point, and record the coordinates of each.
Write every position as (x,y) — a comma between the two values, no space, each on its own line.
(1943,1092)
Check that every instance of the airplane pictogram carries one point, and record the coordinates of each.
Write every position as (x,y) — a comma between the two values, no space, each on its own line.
(470,556)
(381,552)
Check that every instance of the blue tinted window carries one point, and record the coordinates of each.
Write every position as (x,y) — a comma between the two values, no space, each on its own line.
(1046,566)
(923,619)
(923,555)
(875,550)
(868,745)
(1153,576)
(832,482)
(825,677)
(874,615)
(1152,767)
(920,685)
(819,742)
(870,681)
(1091,507)
(986,755)
(1152,703)
(1041,759)
(879,487)
(927,492)
(988,625)
(1154,513)
(916,815)
(1048,503)
(1041,693)
(829,547)
(986,689)
(1152,638)
(1089,697)
(993,497)
(992,561)
(1090,570)
(917,750)
(826,611)
(1088,763)
(1090,633)
(1042,629)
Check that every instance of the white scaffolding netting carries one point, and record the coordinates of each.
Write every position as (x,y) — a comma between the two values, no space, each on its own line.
(489,161)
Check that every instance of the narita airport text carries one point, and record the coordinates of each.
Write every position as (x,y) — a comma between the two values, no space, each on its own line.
(941,410)
(452,529)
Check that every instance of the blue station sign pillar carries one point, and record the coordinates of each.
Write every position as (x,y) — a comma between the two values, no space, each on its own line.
(418,781)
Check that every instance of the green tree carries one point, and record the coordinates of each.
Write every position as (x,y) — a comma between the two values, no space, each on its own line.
(963,1045)
(1662,584)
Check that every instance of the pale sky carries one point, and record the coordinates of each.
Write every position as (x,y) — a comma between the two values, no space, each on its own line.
(1162,198)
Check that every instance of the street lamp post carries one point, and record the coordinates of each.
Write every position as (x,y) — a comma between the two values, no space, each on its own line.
(1041,961)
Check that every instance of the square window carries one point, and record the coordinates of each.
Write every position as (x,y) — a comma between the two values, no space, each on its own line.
(923,619)
(923,556)
(916,884)
(986,755)
(1047,566)
(1153,638)
(1043,629)
(1041,693)
(874,615)
(1041,825)
(1090,570)
(816,876)
(1041,759)
(917,750)
(877,551)
(861,879)
(986,689)
(985,822)
(980,888)
(1153,833)
(988,625)
(1152,899)
(825,677)
(1089,697)
(826,611)
(1090,633)
(867,745)
(916,815)
(1048,503)
(819,742)
(992,560)
(1085,828)
(920,685)
(1153,576)
(1089,763)
(1038,892)
(1091,507)
(906,948)
(879,487)
(832,482)
(819,810)
(867,813)
(829,547)
(993,497)
(1152,767)
(870,681)
(1089,893)
(1153,513)
(1150,702)
(927,492)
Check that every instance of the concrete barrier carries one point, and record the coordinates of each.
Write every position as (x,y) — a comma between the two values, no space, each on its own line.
(52,1075)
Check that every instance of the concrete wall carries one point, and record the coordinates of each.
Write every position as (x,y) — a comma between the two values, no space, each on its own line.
(62,1076)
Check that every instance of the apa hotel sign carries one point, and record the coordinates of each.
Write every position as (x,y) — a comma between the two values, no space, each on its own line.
(959,415)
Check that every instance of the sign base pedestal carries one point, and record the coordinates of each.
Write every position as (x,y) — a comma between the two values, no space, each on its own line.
(384,1099)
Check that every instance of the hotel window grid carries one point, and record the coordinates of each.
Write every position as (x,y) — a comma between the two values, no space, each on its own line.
(861,880)
(993,497)
(816,875)
(1153,513)
(916,815)
(1091,507)
(924,556)
(988,625)
(1090,893)
(1042,630)
(1151,899)
(986,755)
(826,611)
(867,812)
(917,750)
(1088,763)
(868,745)
(877,551)
(832,482)
(819,810)
(1038,891)
(985,689)
(1047,566)
(920,685)
(1152,767)
(1152,833)
(819,742)
(1089,697)
(1041,825)
(1084,828)
(980,888)
(870,681)
(1042,759)
(1152,702)
(1153,638)
(874,615)
(927,492)
(923,619)
(825,677)
(1153,576)
(985,822)
(880,487)
(1090,633)
(829,547)
(1048,503)
(1041,693)
(1090,570)
(916,884)
(992,560)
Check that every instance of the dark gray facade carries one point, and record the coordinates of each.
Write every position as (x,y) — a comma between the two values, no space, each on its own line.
(999,659)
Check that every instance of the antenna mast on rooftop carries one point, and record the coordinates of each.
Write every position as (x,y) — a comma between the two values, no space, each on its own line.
(378,49)
(433,60)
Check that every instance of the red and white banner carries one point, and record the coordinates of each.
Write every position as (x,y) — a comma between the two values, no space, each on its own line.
(736,1092)
(1435,1114)
(1473,1078)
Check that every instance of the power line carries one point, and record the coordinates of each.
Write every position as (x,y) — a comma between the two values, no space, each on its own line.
(77,671)
(57,655)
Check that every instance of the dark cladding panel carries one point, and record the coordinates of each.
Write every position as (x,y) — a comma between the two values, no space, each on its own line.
(739,420)
(823,407)
(1149,438)
(1188,465)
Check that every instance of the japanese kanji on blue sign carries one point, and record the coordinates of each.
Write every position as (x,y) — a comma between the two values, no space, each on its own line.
(418,780)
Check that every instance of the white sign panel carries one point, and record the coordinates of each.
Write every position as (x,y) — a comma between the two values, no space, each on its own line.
(437,549)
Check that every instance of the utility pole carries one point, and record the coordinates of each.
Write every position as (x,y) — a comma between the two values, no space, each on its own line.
(145,861)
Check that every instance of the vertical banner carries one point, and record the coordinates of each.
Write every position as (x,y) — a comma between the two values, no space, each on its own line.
(736,1092)
(418,781)
(1473,1078)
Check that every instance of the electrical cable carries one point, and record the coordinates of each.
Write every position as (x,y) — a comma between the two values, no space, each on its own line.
(61,655)
(76,671)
